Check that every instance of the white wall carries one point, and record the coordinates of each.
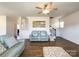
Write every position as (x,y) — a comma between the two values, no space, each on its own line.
(31,19)
(25,33)
(11,25)
(2,25)
(71,29)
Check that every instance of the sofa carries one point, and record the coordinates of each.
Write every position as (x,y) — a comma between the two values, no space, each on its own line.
(13,51)
(39,35)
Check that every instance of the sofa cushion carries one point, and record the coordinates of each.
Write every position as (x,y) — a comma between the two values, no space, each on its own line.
(35,33)
(2,37)
(11,41)
(15,51)
(2,48)
(43,33)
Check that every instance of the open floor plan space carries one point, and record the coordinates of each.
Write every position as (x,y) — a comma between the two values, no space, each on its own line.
(39,29)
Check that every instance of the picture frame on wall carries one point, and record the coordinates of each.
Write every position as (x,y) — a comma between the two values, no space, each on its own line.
(39,24)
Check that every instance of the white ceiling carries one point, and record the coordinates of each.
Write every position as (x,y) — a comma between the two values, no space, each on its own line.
(28,8)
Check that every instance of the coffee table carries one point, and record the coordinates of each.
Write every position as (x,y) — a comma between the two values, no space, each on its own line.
(54,52)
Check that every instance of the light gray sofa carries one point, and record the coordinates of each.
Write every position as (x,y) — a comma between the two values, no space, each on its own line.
(39,35)
(14,51)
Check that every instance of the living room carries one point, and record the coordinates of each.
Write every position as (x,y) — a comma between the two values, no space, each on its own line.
(31,32)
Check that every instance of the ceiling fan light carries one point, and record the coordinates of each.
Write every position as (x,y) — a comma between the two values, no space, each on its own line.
(46,11)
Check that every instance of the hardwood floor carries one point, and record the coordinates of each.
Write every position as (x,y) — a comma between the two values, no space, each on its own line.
(35,49)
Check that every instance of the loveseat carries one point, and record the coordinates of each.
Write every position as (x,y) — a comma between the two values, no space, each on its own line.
(13,51)
(39,35)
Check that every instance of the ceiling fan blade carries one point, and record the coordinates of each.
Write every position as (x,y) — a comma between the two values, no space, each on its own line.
(49,6)
(45,6)
(38,7)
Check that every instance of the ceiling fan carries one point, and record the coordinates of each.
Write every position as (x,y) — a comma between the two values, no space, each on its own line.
(46,8)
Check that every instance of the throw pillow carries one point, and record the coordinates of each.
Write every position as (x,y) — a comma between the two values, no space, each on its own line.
(43,33)
(35,33)
(2,48)
(11,41)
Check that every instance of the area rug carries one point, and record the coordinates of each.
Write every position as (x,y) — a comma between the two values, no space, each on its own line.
(54,52)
